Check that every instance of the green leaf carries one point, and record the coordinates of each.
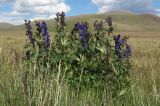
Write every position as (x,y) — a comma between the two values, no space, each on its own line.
(123,92)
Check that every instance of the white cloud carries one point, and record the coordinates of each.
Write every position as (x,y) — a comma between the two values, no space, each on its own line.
(158,11)
(137,6)
(2,1)
(22,9)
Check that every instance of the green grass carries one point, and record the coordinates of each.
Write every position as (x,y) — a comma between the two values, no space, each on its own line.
(145,88)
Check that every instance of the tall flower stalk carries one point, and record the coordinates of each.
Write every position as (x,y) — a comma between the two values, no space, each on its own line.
(45,34)
(29,32)
(38,25)
(119,44)
(109,21)
(128,51)
(83,28)
(60,20)
(98,26)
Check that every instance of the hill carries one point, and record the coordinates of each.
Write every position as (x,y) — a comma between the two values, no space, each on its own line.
(6,26)
(122,20)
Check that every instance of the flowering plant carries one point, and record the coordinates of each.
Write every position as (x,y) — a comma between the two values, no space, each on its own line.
(83,62)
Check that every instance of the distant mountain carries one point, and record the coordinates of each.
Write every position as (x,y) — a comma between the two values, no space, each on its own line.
(6,26)
(122,21)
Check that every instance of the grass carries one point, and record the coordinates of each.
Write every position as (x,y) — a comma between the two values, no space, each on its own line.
(145,89)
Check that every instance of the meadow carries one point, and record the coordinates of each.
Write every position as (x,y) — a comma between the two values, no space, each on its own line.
(145,88)
(53,91)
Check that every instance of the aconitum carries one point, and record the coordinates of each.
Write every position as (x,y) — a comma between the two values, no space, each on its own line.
(62,19)
(38,24)
(118,45)
(128,51)
(98,26)
(29,32)
(83,28)
(45,33)
(109,21)
(76,26)
(57,17)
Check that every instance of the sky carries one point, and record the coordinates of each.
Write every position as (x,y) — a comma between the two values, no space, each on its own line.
(15,11)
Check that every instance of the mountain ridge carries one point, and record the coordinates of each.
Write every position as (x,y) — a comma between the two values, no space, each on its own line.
(122,21)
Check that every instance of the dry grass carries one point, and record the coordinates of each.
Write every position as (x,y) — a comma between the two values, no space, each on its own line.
(145,45)
(146,61)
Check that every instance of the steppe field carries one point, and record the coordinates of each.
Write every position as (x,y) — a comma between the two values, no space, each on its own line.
(144,38)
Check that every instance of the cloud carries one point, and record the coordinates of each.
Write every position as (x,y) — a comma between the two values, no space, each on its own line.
(158,12)
(137,6)
(32,9)
(6,1)
(2,1)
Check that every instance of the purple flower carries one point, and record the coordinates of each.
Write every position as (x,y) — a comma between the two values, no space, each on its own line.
(76,26)
(118,50)
(128,51)
(118,44)
(45,34)
(62,19)
(109,21)
(98,26)
(28,28)
(38,27)
(117,39)
(122,42)
(57,17)
(83,28)
(29,32)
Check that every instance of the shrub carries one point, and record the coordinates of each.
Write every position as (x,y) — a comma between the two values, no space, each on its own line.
(80,58)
